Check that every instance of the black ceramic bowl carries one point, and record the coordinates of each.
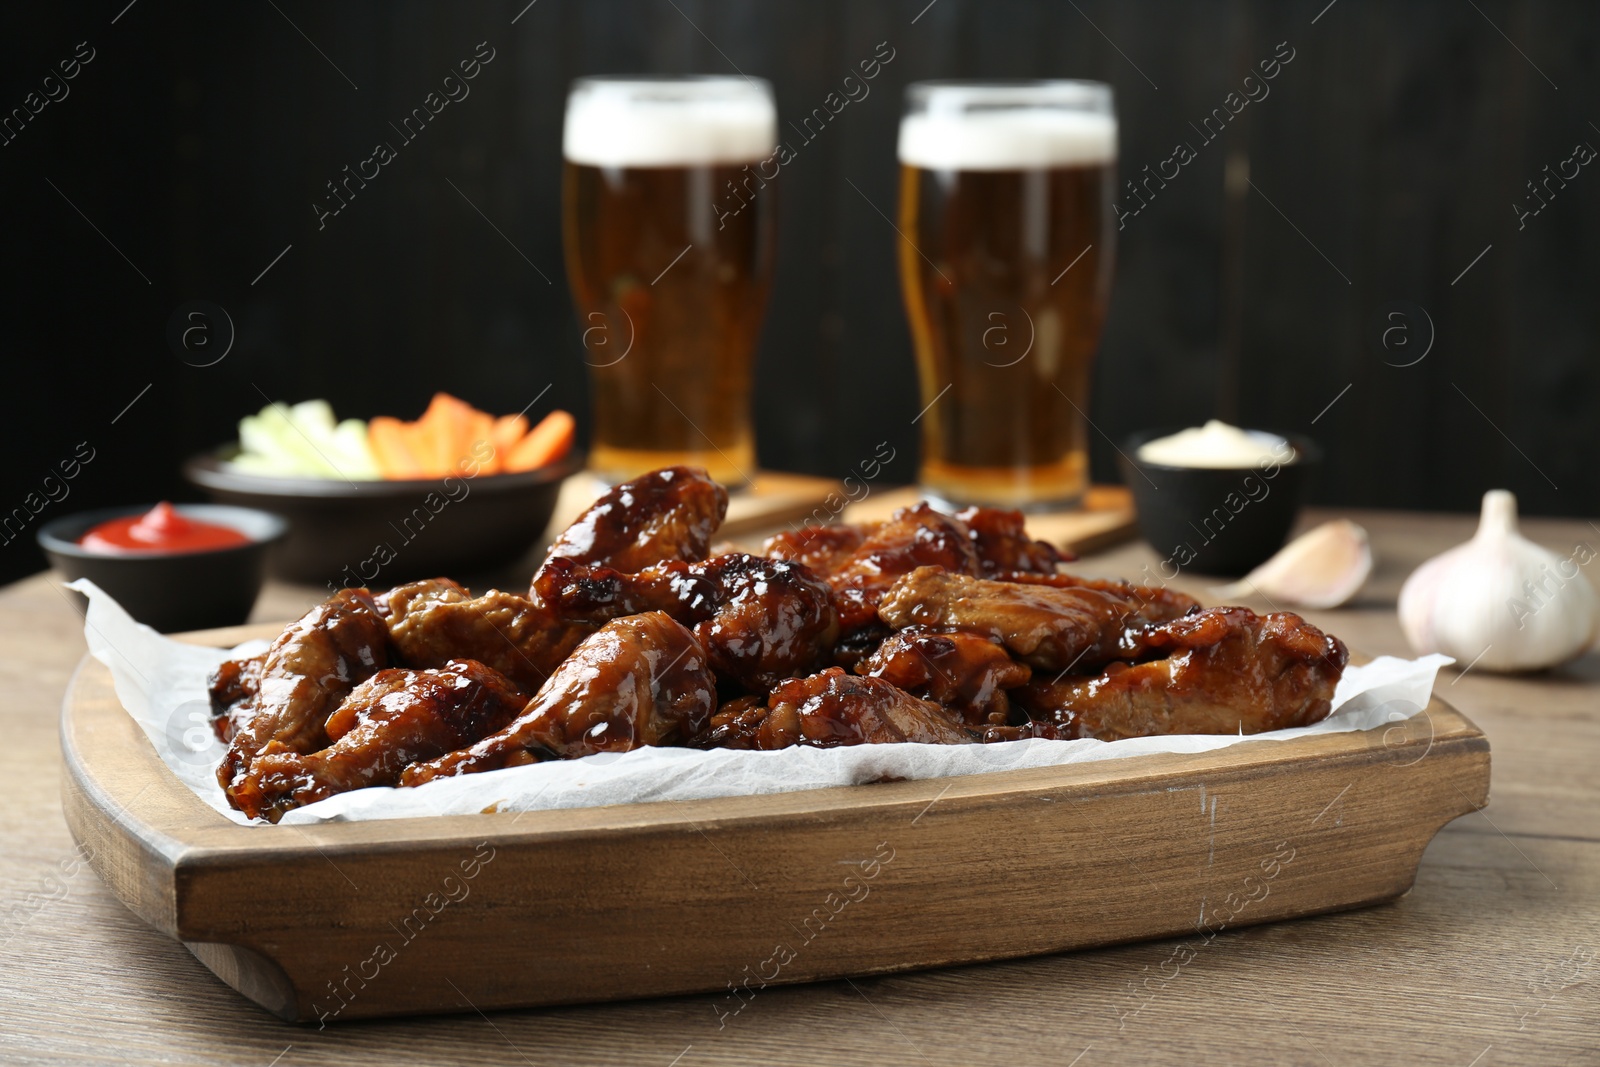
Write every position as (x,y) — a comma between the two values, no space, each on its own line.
(382,532)
(1219,521)
(172,591)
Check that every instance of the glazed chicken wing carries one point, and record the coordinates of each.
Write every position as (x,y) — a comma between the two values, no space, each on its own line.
(1049,627)
(599,594)
(233,688)
(1221,671)
(639,680)
(1154,603)
(759,619)
(775,619)
(913,537)
(312,666)
(965,672)
(435,622)
(1001,540)
(669,514)
(824,549)
(391,720)
(413,597)
(831,709)
(861,562)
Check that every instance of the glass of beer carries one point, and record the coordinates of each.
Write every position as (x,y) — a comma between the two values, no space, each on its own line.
(668,226)
(1006,252)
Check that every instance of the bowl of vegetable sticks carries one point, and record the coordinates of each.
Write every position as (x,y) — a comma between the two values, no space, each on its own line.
(455,491)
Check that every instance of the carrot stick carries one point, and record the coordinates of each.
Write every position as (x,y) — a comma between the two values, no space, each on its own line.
(420,438)
(544,444)
(392,449)
(480,443)
(446,427)
(508,430)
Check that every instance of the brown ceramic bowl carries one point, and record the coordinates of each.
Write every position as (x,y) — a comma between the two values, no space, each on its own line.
(381,532)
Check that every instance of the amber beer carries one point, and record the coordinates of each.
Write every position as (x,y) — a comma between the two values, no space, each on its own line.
(668,233)
(1005,266)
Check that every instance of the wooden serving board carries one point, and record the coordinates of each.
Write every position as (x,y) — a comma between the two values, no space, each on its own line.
(1105,518)
(722,897)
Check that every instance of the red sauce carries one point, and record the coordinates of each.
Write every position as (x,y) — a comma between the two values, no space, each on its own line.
(162,529)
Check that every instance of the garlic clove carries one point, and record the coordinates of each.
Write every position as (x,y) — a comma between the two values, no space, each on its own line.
(1500,601)
(1322,568)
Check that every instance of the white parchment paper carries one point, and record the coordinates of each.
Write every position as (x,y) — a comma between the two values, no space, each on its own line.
(162,684)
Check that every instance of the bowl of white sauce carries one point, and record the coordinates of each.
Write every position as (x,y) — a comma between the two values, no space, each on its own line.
(1217,499)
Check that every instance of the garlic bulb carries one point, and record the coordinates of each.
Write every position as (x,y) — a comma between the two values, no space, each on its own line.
(1322,568)
(1500,601)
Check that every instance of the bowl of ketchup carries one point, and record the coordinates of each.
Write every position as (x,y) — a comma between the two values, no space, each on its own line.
(173,567)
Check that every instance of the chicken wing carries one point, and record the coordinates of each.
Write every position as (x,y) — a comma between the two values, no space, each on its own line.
(599,594)
(1221,671)
(1000,538)
(233,688)
(913,537)
(759,619)
(775,619)
(412,597)
(964,672)
(312,666)
(822,548)
(391,720)
(1156,603)
(639,680)
(831,709)
(434,623)
(1053,628)
(664,515)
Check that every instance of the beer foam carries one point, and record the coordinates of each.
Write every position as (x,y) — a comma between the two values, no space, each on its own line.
(619,124)
(1007,139)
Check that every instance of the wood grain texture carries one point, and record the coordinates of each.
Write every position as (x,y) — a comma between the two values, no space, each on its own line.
(1484,958)
(733,895)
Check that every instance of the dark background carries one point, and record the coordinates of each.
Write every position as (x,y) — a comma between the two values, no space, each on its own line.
(1388,155)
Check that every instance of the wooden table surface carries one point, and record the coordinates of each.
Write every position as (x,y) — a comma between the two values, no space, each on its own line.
(1491,959)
